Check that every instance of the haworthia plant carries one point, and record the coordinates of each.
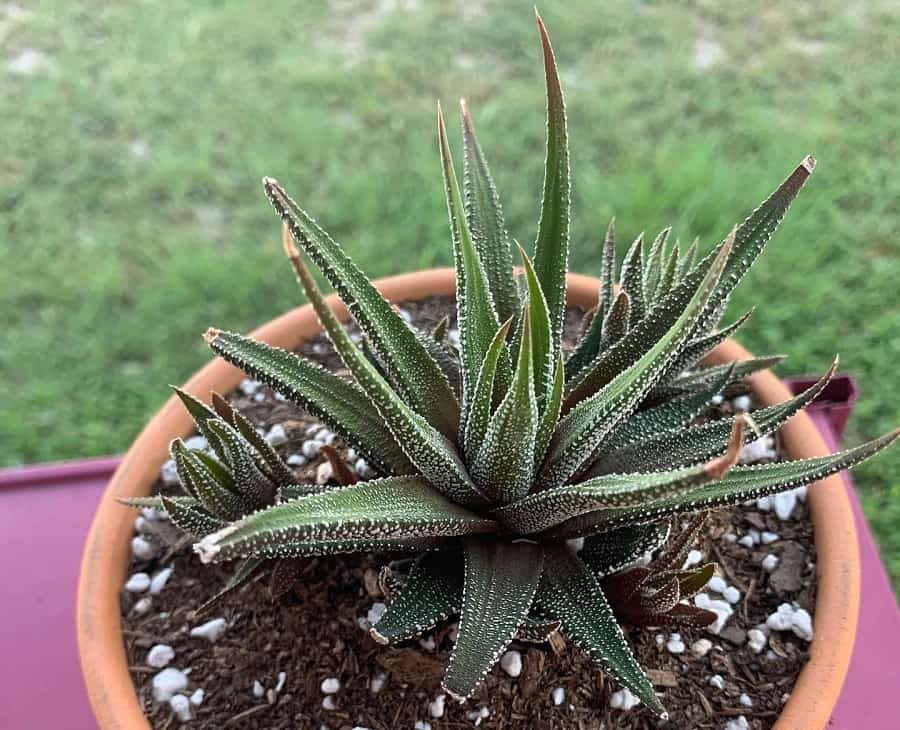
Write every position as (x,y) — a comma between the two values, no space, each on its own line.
(524,483)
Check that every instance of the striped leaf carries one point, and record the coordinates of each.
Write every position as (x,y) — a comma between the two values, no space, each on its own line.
(480,412)
(702,377)
(382,513)
(611,551)
(189,515)
(201,413)
(419,377)
(542,343)
(571,593)
(551,248)
(668,277)
(550,416)
(588,346)
(504,466)
(484,215)
(476,316)
(699,443)
(433,454)
(743,483)
(339,404)
(432,593)
(245,474)
(544,510)
(500,582)
(585,427)
(208,484)
(632,279)
(653,271)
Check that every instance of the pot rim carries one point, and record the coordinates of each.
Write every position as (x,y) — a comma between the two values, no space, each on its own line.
(105,558)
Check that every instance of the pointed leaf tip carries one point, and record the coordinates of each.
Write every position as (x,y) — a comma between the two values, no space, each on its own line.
(809,162)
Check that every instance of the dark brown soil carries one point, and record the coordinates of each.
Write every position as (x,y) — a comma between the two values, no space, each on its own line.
(314,633)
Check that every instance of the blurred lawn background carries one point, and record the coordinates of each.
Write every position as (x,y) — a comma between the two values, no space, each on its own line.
(134,136)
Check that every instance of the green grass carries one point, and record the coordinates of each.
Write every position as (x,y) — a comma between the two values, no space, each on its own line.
(113,263)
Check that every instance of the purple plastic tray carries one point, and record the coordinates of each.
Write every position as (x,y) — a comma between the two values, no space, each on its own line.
(45,512)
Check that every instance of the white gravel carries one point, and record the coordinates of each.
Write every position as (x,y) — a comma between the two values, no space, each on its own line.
(138,583)
(310,449)
(143,549)
(558,696)
(181,706)
(436,707)
(330,686)
(212,630)
(756,640)
(511,663)
(142,606)
(376,612)
(296,460)
(258,689)
(168,682)
(784,503)
(249,387)
(717,681)
(701,647)
(622,699)
(422,725)
(768,538)
(694,557)
(717,584)
(801,624)
(738,723)
(675,645)
(377,682)
(158,582)
(769,563)
(363,469)
(745,700)
(277,435)
(197,697)
(328,703)
(731,594)
(160,655)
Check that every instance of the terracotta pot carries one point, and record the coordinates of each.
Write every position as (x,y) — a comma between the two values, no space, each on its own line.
(106,553)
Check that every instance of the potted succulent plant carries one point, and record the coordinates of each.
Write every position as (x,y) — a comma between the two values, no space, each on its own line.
(524,479)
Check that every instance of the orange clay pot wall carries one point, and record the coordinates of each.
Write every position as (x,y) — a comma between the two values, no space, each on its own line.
(106,552)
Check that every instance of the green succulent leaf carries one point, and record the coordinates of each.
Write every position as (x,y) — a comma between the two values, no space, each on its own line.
(484,215)
(209,484)
(364,516)
(550,416)
(500,582)
(432,593)
(571,593)
(669,274)
(742,483)
(653,271)
(551,248)
(504,466)
(339,404)
(188,515)
(613,550)
(476,314)
(201,413)
(480,412)
(585,427)
(542,342)
(418,376)
(242,466)
(433,454)
(633,280)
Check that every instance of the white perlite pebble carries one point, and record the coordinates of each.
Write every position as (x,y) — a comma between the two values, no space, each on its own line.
(376,612)
(781,619)
(196,699)
(211,630)
(428,643)
(181,706)
(717,681)
(325,437)
(328,703)
(767,538)
(756,640)
(558,695)
(249,387)
(764,504)
(701,647)
(622,699)
(258,689)
(784,503)
(422,725)
(142,525)
(310,449)
(741,403)
(168,682)
(738,723)
(769,563)
(330,686)
(169,474)
(731,594)
(576,544)
(158,582)
(745,700)
(160,655)
(363,469)
(138,583)
(311,429)
(377,683)
(717,399)
(436,708)
(675,645)
(142,548)
(296,460)
(801,624)
(746,541)
(722,609)
(729,537)
(717,584)
(197,443)
(259,397)
(758,450)
(511,663)
(142,606)
(277,435)
(694,557)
